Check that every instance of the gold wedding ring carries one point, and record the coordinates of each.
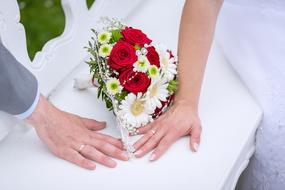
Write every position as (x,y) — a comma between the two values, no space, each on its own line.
(81,147)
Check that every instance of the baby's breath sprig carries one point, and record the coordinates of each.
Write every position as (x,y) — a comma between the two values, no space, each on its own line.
(111,23)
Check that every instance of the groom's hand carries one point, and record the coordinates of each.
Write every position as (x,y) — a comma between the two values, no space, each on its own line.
(74,138)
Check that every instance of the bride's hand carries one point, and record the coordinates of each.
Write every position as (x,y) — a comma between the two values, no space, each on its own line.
(178,121)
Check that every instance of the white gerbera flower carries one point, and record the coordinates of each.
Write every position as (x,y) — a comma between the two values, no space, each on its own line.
(135,111)
(157,92)
(142,64)
(104,37)
(168,66)
(153,71)
(105,50)
(113,86)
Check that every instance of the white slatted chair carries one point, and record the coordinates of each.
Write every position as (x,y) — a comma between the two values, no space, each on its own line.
(229,114)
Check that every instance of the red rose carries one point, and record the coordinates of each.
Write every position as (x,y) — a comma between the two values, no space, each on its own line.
(153,56)
(122,55)
(139,81)
(135,36)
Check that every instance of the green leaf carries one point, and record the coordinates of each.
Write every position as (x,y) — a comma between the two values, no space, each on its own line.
(121,96)
(172,86)
(99,91)
(90,44)
(137,47)
(94,31)
(116,35)
(109,104)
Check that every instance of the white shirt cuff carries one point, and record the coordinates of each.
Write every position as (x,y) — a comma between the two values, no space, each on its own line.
(32,108)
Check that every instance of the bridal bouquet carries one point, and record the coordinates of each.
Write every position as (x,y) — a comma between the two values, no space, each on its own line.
(135,77)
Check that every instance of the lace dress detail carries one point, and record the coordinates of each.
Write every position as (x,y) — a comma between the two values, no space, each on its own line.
(267,168)
(255,46)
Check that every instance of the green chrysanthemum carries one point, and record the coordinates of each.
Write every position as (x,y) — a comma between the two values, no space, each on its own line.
(142,64)
(104,37)
(105,50)
(153,71)
(113,86)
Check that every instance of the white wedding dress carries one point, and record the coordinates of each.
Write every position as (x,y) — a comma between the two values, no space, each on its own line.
(252,36)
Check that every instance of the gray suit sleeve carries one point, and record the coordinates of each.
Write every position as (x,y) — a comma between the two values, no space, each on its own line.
(18,86)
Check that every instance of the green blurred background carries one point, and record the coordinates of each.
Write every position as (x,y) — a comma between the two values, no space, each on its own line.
(43,20)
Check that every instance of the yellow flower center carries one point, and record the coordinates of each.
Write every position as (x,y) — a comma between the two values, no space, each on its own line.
(137,107)
(103,37)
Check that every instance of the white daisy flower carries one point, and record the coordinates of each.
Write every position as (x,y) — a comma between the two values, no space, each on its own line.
(113,86)
(135,111)
(105,50)
(157,92)
(104,37)
(142,64)
(153,71)
(168,66)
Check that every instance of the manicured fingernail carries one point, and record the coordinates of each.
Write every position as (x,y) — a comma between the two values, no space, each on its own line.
(103,124)
(152,157)
(138,153)
(125,155)
(92,166)
(112,163)
(196,147)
